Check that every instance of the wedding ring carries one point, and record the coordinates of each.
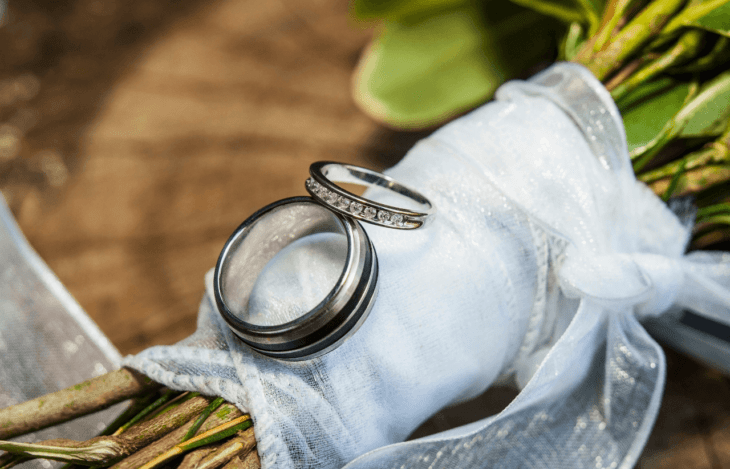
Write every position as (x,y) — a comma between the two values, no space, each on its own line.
(252,248)
(322,188)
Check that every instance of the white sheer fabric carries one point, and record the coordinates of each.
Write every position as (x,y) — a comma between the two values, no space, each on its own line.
(47,342)
(543,257)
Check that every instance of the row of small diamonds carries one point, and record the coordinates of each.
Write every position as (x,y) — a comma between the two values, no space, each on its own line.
(343,203)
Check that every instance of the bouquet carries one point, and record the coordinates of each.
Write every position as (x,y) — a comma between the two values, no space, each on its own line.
(531,249)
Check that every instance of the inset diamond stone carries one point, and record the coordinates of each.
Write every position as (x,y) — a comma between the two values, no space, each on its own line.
(384,217)
(331,197)
(397,219)
(370,213)
(343,203)
(314,186)
(356,208)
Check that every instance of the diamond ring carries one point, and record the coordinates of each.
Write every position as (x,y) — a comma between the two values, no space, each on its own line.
(323,189)
(281,234)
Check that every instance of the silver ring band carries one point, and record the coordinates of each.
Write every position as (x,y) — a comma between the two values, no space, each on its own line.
(322,188)
(256,242)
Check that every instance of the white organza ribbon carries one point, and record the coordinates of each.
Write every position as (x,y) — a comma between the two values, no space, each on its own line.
(47,342)
(623,261)
(544,255)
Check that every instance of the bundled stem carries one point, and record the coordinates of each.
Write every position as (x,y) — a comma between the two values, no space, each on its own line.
(686,48)
(250,461)
(612,17)
(211,436)
(146,410)
(239,445)
(225,414)
(10,460)
(82,399)
(202,418)
(702,169)
(105,449)
(667,42)
(193,458)
(693,12)
(638,32)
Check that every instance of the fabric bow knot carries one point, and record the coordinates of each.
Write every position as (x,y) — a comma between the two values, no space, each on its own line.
(649,282)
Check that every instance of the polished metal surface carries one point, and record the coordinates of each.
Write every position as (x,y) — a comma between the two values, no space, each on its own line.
(311,329)
(323,188)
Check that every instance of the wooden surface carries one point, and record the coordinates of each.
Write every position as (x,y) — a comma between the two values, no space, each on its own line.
(135,135)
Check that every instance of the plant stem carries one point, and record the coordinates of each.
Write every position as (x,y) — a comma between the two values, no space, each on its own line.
(9,460)
(106,449)
(692,182)
(691,13)
(687,46)
(211,436)
(202,417)
(226,413)
(250,461)
(632,37)
(14,461)
(706,213)
(135,407)
(140,404)
(193,458)
(591,15)
(82,399)
(704,237)
(612,14)
(570,46)
(90,452)
(164,399)
(674,182)
(713,154)
(623,74)
(147,432)
(240,444)
(6,458)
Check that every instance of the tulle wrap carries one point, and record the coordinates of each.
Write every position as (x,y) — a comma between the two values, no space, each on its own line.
(543,260)
(47,342)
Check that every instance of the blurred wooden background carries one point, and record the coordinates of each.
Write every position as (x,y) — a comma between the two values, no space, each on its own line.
(136,134)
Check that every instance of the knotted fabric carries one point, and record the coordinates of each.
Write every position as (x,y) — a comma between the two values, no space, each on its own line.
(543,258)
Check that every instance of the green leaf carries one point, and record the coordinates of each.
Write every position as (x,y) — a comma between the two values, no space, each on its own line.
(717,209)
(394,9)
(714,59)
(572,42)
(717,20)
(712,15)
(647,110)
(423,70)
(707,114)
(585,12)
(563,10)
(704,115)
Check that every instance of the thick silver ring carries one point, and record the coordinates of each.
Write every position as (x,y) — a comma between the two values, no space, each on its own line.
(263,235)
(321,186)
